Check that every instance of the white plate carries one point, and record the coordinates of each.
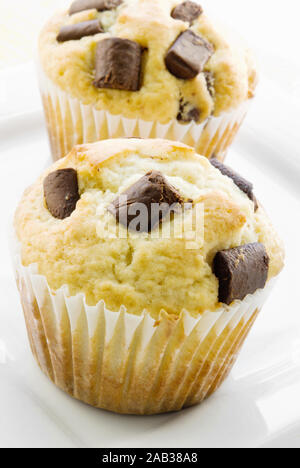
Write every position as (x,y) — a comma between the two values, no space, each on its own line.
(258,406)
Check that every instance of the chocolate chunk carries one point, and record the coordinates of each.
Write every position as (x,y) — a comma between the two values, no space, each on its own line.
(150,199)
(118,64)
(210,82)
(241,271)
(61,192)
(188,55)
(187,11)
(187,112)
(77,31)
(100,5)
(243,184)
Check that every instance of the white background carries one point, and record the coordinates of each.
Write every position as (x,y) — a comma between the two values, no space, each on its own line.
(259,405)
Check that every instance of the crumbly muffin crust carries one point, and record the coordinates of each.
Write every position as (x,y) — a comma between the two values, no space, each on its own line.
(162,96)
(139,272)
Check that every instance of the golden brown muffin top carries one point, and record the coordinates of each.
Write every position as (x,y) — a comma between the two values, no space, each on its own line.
(146,270)
(215,77)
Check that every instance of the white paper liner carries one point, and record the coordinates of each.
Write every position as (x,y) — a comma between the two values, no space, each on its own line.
(69,122)
(126,363)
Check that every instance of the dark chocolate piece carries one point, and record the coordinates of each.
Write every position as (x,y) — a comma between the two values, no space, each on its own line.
(243,184)
(187,11)
(188,55)
(241,271)
(61,192)
(72,32)
(153,194)
(210,82)
(100,5)
(118,64)
(187,112)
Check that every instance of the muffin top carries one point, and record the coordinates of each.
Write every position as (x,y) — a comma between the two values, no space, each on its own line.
(215,245)
(150,59)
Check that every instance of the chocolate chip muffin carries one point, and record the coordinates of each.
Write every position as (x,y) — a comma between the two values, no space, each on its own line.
(142,68)
(141,268)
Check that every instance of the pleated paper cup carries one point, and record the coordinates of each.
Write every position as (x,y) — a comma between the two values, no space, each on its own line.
(126,363)
(70,123)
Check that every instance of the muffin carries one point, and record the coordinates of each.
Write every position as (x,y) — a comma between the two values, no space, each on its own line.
(141,317)
(143,68)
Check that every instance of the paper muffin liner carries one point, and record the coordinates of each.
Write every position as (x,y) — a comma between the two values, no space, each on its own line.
(69,123)
(127,363)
